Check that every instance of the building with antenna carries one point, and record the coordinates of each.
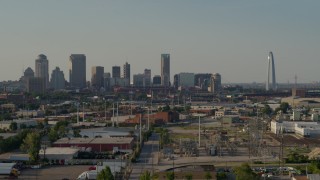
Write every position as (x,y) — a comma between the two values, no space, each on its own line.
(273,73)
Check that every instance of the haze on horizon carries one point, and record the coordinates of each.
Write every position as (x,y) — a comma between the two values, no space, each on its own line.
(232,37)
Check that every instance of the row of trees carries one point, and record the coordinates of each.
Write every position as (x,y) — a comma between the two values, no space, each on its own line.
(14,142)
(58,131)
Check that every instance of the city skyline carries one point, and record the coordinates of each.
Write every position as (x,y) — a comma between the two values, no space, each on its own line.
(230,38)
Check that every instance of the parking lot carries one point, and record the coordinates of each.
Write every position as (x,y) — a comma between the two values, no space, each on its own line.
(54,172)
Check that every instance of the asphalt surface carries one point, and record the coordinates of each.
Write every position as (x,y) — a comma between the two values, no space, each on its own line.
(148,159)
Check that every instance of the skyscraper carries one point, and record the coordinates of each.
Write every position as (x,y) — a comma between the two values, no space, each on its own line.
(97,77)
(77,70)
(271,62)
(156,81)
(42,69)
(126,71)
(57,80)
(216,83)
(116,71)
(147,78)
(165,69)
(138,80)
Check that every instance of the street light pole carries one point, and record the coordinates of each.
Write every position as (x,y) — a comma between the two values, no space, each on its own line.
(148,118)
(199,133)
(83,111)
(140,131)
(78,113)
(113,114)
(105,112)
(117,113)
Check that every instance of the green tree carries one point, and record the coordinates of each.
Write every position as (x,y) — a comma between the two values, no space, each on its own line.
(23,126)
(145,176)
(13,126)
(208,176)
(76,133)
(105,174)
(53,135)
(221,176)
(284,106)
(170,175)
(188,176)
(31,144)
(244,172)
(266,110)
(166,108)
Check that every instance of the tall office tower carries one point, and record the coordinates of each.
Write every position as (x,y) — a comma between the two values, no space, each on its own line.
(126,71)
(138,80)
(28,73)
(202,80)
(35,84)
(57,80)
(184,80)
(97,73)
(176,81)
(165,69)
(77,70)
(116,71)
(42,69)
(156,81)
(216,83)
(271,62)
(147,78)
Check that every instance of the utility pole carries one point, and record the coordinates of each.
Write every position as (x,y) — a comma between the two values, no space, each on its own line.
(78,113)
(199,133)
(117,113)
(105,112)
(148,119)
(140,132)
(83,110)
(113,114)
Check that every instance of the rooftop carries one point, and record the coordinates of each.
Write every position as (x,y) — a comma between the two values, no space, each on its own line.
(59,150)
(103,140)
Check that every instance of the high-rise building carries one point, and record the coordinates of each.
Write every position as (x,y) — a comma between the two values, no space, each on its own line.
(57,80)
(156,81)
(35,85)
(28,73)
(126,71)
(273,83)
(147,78)
(97,73)
(184,80)
(116,71)
(138,80)
(42,69)
(202,80)
(165,69)
(77,70)
(216,83)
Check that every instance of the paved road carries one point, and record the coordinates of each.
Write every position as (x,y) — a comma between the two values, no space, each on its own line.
(148,159)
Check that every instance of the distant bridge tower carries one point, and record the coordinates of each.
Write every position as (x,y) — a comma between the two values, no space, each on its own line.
(273,83)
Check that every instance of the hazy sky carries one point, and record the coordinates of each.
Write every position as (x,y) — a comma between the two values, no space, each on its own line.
(231,37)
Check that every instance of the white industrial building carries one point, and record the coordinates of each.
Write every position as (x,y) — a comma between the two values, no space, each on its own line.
(302,128)
(62,155)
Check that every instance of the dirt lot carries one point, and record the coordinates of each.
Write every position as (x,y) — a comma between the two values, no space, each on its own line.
(54,172)
(294,140)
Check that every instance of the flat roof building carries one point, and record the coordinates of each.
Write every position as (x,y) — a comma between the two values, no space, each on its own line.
(77,70)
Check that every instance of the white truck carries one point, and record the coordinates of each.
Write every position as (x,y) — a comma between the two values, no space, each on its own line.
(8,169)
(88,175)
